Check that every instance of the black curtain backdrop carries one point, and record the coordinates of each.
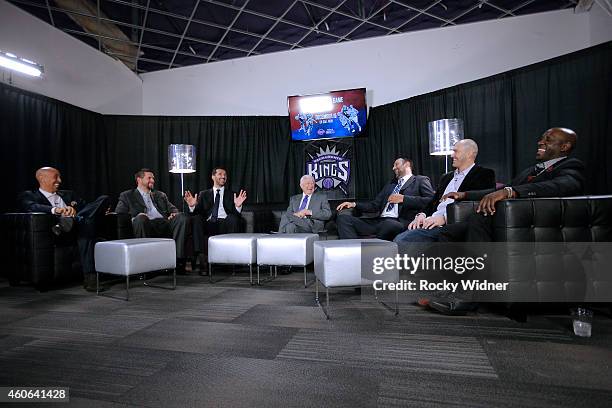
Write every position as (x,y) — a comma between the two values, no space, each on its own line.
(505,114)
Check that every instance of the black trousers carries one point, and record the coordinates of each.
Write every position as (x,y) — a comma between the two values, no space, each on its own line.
(477,228)
(176,228)
(86,222)
(351,227)
(203,229)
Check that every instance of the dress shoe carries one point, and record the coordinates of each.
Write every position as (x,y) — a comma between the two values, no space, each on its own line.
(64,225)
(453,307)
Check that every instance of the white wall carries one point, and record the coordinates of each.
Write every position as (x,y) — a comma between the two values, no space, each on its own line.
(392,68)
(601,25)
(74,72)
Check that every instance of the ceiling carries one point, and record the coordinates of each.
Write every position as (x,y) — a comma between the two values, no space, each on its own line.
(152,35)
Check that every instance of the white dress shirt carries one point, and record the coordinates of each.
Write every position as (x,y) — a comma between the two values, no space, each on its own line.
(54,199)
(152,212)
(452,187)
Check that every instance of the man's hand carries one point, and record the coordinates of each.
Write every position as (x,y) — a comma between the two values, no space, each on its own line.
(190,199)
(396,198)
(417,222)
(434,221)
(487,204)
(303,213)
(172,215)
(65,212)
(239,199)
(346,204)
(456,195)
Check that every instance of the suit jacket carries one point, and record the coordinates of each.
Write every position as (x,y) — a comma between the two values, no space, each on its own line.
(417,192)
(131,202)
(319,206)
(479,178)
(206,200)
(35,201)
(563,179)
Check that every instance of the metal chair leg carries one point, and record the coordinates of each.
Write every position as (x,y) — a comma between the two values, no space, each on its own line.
(305,285)
(210,279)
(127,287)
(97,283)
(251,273)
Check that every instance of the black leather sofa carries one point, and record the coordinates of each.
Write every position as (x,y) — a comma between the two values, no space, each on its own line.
(533,275)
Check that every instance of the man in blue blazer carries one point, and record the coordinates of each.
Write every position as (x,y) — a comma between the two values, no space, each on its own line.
(396,205)
(72,213)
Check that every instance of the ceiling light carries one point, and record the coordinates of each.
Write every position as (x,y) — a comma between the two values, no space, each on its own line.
(11,61)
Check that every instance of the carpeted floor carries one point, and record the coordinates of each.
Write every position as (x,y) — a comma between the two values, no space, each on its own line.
(232,345)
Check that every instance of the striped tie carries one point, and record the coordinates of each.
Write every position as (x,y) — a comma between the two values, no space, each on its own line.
(395,191)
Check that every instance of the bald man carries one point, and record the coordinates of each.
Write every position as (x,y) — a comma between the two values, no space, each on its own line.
(467,176)
(555,175)
(72,214)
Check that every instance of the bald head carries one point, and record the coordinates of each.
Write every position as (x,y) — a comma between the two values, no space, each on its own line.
(464,154)
(49,179)
(556,142)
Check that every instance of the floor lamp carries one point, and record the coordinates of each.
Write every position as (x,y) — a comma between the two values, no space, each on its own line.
(443,134)
(181,159)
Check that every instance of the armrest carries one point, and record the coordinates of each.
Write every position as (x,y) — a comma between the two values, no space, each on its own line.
(459,211)
(118,226)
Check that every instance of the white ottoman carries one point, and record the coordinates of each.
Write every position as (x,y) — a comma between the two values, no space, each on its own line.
(348,262)
(233,249)
(286,250)
(128,257)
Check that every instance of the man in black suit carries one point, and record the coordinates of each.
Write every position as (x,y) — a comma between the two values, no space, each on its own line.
(396,205)
(153,215)
(217,209)
(555,175)
(426,226)
(73,215)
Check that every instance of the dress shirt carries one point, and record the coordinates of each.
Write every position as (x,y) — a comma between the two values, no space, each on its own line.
(452,187)
(394,212)
(152,212)
(54,199)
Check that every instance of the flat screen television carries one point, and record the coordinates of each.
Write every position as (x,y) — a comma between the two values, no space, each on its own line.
(329,115)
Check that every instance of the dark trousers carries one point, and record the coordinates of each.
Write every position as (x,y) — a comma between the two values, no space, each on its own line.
(86,230)
(203,229)
(477,228)
(351,227)
(176,228)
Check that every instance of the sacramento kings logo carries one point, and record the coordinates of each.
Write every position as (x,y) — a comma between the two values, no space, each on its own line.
(330,168)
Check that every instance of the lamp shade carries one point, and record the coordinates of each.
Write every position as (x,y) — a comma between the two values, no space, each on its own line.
(181,158)
(443,134)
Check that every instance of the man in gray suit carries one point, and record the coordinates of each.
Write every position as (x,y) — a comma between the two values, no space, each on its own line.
(153,215)
(307,212)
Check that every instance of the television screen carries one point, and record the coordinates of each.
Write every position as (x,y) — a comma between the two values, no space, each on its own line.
(330,115)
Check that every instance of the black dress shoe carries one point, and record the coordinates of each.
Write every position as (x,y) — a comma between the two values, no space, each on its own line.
(453,307)
(64,225)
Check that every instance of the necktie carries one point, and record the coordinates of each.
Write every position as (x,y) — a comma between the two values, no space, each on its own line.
(538,168)
(304,202)
(57,202)
(149,204)
(215,209)
(395,191)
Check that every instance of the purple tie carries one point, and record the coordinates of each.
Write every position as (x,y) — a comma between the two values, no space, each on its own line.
(304,202)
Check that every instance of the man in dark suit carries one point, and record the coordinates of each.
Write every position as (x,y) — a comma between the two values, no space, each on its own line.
(217,209)
(73,215)
(555,175)
(307,212)
(153,215)
(396,205)
(426,226)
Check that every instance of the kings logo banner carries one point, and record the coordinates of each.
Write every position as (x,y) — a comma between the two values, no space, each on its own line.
(329,162)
